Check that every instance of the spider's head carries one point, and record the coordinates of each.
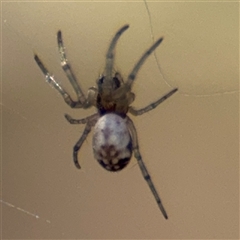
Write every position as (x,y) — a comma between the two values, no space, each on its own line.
(113,96)
(105,88)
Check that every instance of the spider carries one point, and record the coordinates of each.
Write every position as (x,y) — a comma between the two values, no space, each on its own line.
(114,135)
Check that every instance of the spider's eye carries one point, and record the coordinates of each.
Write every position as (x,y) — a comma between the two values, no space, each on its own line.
(116,82)
(100,80)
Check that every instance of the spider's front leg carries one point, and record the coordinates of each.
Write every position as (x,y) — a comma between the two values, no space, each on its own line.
(90,122)
(82,101)
(92,92)
(69,73)
(142,166)
(51,80)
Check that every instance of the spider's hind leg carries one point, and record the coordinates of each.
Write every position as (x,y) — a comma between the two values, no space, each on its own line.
(143,167)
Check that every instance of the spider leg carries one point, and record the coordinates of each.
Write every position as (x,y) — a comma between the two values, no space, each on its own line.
(110,60)
(50,79)
(90,121)
(142,166)
(69,73)
(136,68)
(79,143)
(153,105)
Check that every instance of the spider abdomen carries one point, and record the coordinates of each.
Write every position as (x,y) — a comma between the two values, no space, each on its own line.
(112,142)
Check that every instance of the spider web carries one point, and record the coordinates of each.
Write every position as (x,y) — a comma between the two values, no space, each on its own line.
(164,77)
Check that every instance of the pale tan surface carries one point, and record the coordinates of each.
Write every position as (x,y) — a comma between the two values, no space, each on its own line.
(189,143)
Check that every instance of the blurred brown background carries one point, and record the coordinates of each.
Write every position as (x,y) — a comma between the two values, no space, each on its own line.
(190,143)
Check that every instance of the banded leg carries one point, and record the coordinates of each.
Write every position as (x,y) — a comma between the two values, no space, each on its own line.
(110,60)
(136,68)
(142,166)
(153,105)
(79,143)
(90,121)
(69,73)
(50,79)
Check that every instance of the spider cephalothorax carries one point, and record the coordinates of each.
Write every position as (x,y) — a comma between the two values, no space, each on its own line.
(114,135)
(115,101)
